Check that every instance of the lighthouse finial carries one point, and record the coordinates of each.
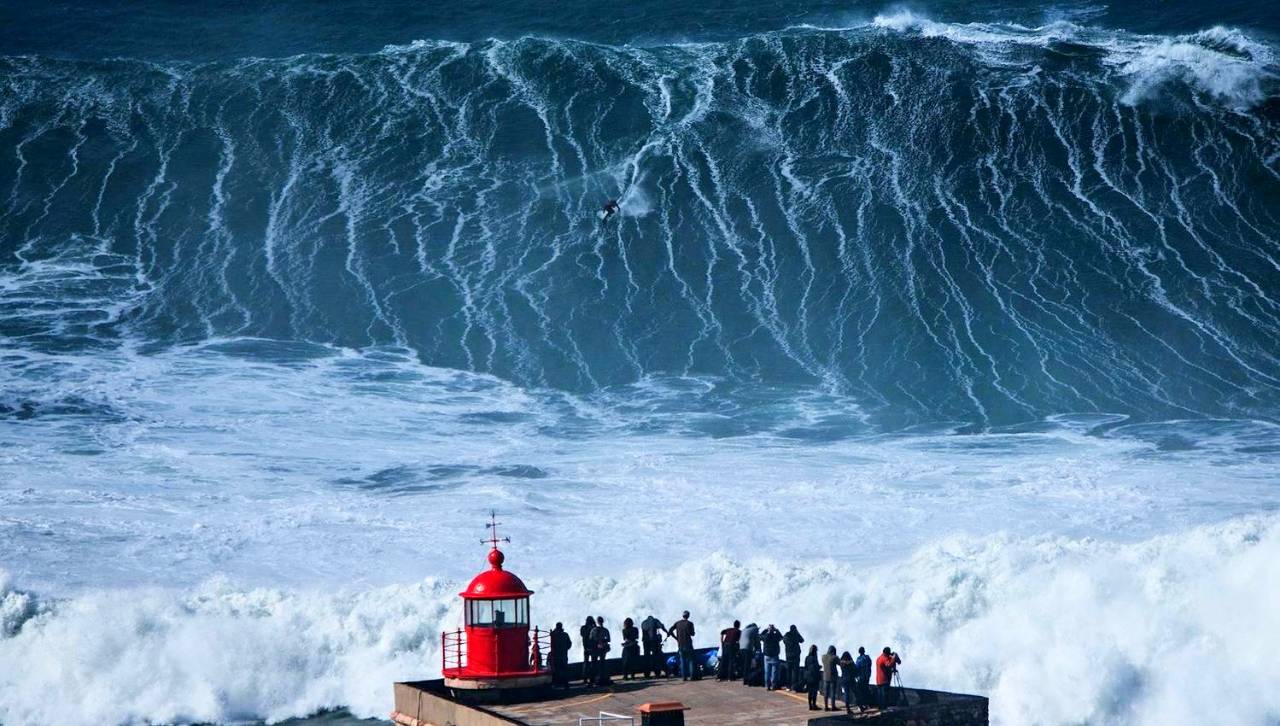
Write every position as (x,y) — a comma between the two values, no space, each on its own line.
(496,557)
(492,526)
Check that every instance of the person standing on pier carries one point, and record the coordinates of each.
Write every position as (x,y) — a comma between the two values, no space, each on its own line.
(729,651)
(748,645)
(630,649)
(649,630)
(812,676)
(560,645)
(829,660)
(600,638)
(771,641)
(886,665)
(587,660)
(683,631)
(847,679)
(862,678)
(792,641)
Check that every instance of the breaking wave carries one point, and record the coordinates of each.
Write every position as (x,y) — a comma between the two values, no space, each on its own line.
(1055,630)
(980,222)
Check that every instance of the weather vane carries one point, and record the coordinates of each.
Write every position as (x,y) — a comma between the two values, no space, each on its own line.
(492,526)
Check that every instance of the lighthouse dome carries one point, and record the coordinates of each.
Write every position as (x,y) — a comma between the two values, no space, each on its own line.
(496,582)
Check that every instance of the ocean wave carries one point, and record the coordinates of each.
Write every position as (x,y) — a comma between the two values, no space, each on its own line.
(1054,630)
(987,223)
(257,315)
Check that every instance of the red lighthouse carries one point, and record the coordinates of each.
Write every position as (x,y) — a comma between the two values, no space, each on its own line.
(495,650)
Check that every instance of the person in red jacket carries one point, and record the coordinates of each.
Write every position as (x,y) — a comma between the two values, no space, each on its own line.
(886,665)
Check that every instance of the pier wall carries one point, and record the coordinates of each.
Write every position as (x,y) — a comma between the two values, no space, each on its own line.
(433,703)
(429,703)
(924,708)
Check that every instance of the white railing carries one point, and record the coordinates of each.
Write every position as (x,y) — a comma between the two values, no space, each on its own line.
(604,717)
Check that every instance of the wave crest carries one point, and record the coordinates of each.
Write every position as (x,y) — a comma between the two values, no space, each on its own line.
(1224,63)
(1221,62)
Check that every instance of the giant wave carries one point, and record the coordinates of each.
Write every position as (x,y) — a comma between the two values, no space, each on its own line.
(978,222)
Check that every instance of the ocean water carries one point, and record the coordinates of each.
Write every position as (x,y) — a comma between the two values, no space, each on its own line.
(948,327)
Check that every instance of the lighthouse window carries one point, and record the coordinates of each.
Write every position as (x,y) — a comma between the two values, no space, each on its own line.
(480,612)
(498,613)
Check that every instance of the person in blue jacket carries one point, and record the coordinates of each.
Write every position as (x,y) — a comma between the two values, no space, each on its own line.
(862,679)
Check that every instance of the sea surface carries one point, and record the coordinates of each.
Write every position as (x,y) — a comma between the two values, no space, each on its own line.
(950,326)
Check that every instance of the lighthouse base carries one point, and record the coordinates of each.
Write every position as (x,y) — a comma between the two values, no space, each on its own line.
(506,683)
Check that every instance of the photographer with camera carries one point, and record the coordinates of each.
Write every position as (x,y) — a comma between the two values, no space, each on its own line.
(886,665)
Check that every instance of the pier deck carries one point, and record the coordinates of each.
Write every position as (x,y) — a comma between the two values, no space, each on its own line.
(710,703)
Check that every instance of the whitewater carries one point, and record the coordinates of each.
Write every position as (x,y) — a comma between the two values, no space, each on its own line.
(962,337)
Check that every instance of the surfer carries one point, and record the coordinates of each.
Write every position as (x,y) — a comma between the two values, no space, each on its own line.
(610,208)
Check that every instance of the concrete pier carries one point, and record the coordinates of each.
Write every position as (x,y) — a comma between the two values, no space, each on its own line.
(710,703)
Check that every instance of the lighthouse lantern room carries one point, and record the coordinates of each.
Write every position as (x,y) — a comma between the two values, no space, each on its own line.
(495,649)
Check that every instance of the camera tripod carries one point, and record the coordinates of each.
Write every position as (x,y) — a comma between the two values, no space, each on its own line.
(898,688)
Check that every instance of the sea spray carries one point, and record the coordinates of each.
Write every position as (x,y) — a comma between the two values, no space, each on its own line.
(1054,630)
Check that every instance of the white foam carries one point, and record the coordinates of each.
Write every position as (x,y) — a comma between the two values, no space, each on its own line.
(215,653)
(177,466)
(1222,62)
(908,21)
(1055,630)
